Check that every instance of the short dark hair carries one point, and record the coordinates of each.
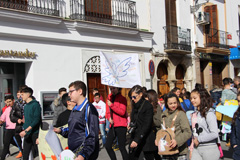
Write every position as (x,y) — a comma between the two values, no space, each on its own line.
(22,87)
(65,98)
(95,89)
(8,97)
(198,86)
(27,90)
(226,81)
(175,89)
(187,95)
(79,85)
(97,94)
(63,89)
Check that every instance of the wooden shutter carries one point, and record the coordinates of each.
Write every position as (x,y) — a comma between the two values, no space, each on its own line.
(171,22)
(98,10)
(212,29)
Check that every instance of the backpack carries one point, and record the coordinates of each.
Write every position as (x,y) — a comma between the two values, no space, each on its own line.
(164,137)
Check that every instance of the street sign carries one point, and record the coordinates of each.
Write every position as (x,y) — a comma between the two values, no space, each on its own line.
(151,67)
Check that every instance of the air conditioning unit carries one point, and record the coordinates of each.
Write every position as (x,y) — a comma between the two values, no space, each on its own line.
(203,18)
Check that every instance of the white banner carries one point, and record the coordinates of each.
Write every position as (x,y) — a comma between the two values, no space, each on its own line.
(120,70)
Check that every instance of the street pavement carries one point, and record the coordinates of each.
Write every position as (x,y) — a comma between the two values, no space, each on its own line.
(227,151)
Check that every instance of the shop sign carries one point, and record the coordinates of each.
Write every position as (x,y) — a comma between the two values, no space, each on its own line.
(216,57)
(18,54)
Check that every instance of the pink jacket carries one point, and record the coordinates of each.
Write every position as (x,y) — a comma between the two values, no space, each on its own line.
(6,118)
(119,111)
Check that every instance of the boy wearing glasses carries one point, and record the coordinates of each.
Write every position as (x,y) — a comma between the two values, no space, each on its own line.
(82,130)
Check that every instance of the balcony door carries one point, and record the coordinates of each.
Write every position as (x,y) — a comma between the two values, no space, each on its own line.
(171,23)
(98,11)
(211,30)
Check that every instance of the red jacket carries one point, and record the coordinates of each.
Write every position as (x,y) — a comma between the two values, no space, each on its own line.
(119,110)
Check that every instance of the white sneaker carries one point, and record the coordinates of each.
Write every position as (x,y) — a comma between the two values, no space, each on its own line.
(7,155)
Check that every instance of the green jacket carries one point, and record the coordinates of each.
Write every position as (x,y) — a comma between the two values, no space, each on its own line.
(32,115)
(182,128)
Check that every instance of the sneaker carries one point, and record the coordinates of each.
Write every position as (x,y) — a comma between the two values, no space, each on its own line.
(116,148)
(7,155)
(19,155)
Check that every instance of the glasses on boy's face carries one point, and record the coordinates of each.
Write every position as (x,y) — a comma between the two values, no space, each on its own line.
(71,91)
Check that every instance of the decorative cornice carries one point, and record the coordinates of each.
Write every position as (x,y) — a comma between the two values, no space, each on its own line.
(27,16)
(104,27)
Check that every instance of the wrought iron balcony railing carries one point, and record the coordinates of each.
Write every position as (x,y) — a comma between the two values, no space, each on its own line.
(177,38)
(216,38)
(46,7)
(113,12)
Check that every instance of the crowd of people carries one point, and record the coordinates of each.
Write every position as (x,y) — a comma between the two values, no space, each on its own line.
(171,126)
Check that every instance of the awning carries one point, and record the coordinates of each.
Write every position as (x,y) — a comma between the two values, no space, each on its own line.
(235,53)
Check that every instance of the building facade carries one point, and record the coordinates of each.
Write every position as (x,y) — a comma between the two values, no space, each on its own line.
(49,44)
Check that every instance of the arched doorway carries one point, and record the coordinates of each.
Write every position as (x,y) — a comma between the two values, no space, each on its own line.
(162,74)
(93,70)
(180,73)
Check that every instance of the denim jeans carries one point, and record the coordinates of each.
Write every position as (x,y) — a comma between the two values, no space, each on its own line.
(107,125)
(103,133)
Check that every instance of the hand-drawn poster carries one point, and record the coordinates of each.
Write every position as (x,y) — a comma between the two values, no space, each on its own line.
(120,70)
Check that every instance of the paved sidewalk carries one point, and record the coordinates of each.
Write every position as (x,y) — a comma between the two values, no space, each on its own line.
(227,151)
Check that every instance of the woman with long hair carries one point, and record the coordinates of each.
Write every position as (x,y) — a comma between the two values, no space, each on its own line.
(141,126)
(152,97)
(174,115)
(235,138)
(205,130)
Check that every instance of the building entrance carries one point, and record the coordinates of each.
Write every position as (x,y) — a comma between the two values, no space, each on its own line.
(12,75)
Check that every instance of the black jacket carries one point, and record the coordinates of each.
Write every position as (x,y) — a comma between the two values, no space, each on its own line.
(17,113)
(235,137)
(144,135)
(76,132)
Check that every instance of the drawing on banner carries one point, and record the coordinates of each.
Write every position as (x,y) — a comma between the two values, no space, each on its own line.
(115,70)
(120,70)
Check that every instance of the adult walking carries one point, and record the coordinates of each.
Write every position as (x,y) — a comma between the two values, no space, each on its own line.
(118,120)
(141,126)
(235,138)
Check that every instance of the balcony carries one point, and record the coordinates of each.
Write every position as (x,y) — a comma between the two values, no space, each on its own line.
(113,12)
(45,7)
(216,42)
(177,40)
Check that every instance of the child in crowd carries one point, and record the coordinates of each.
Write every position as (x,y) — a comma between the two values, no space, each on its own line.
(10,128)
(235,139)
(205,128)
(64,116)
(181,125)
(162,103)
(101,108)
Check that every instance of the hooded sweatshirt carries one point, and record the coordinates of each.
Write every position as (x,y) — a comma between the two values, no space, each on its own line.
(209,134)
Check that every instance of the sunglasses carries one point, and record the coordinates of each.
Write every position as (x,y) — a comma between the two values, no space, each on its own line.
(133,97)
(112,88)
